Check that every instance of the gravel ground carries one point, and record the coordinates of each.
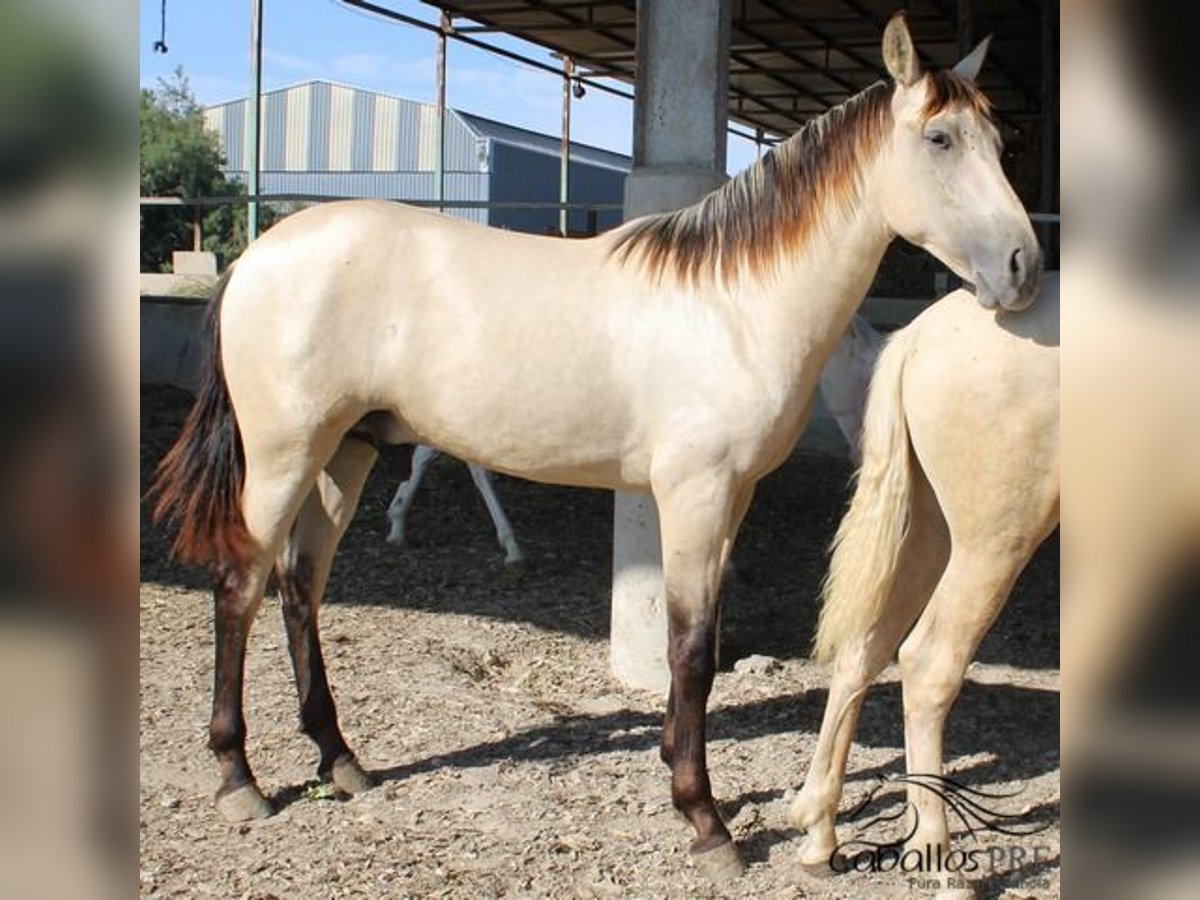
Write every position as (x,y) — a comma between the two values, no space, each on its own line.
(510,764)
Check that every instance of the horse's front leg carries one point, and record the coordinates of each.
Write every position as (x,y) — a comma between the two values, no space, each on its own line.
(696,516)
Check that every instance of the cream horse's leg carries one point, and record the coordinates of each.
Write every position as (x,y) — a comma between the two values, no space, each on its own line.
(935,656)
(302,572)
(697,518)
(504,530)
(921,561)
(280,471)
(407,492)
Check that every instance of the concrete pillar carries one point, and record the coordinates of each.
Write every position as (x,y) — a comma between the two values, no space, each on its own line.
(679,134)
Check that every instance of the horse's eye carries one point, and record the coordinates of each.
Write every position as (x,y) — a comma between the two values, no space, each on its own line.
(939,139)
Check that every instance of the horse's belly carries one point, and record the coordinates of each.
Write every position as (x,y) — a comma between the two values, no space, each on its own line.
(543,419)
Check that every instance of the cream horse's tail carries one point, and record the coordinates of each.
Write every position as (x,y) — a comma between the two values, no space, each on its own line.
(866,548)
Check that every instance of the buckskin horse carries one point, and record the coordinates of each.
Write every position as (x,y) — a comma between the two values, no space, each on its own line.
(677,354)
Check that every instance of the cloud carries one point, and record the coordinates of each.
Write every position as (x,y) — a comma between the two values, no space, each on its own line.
(386,73)
(279,59)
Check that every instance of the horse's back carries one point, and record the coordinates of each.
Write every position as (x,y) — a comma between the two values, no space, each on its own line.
(981,395)
(495,346)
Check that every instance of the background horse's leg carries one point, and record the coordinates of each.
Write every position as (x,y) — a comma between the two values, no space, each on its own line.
(696,515)
(303,570)
(934,660)
(921,561)
(504,530)
(275,486)
(407,492)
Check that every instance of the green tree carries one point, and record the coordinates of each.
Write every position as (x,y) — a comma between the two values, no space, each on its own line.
(180,158)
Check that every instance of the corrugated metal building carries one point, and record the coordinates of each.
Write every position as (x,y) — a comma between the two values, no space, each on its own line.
(338,141)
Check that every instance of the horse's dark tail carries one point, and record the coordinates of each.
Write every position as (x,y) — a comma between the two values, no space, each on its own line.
(198,485)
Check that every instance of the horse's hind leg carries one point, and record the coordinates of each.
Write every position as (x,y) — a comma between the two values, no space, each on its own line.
(933,664)
(303,570)
(922,558)
(275,486)
(504,530)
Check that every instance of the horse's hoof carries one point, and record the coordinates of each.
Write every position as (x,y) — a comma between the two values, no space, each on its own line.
(396,540)
(720,865)
(347,775)
(824,868)
(819,862)
(243,804)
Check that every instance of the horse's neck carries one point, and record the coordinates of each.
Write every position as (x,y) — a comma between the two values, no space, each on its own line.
(804,310)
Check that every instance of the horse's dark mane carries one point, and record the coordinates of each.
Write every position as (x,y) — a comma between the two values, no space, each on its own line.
(771,208)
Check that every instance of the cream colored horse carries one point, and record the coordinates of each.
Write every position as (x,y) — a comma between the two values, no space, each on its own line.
(958,487)
(676,355)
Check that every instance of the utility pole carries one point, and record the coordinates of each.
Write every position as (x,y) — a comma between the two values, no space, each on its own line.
(252,165)
(439,163)
(564,172)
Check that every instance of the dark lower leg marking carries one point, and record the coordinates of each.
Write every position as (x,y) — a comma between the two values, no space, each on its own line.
(318,715)
(666,746)
(693,665)
(227,728)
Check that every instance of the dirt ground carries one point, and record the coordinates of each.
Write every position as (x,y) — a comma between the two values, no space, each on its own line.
(509,763)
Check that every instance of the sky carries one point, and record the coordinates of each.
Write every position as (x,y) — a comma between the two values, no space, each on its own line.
(325,39)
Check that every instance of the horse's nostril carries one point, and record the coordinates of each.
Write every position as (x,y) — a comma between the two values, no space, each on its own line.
(1016,264)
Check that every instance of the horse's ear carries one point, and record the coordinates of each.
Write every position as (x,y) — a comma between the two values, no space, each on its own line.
(968,67)
(899,54)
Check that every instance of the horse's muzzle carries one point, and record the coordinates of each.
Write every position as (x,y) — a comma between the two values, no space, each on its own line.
(1010,283)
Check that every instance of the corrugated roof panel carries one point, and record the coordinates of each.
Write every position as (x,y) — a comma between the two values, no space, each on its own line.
(248,132)
(384,155)
(462,145)
(362,145)
(408,155)
(319,128)
(299,127)
(427,138)
(544,143)
(273,153)
(235,135)
(400,186)
(341,128)
(214,120)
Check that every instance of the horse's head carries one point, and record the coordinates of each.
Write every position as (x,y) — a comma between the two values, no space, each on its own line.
(943,187)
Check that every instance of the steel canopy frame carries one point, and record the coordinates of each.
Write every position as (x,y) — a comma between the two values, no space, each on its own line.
(790,60)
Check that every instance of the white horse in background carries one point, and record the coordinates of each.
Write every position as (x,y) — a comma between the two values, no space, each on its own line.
(676,355)
(843,386)
(846,379)
(959,485)
(403,500)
